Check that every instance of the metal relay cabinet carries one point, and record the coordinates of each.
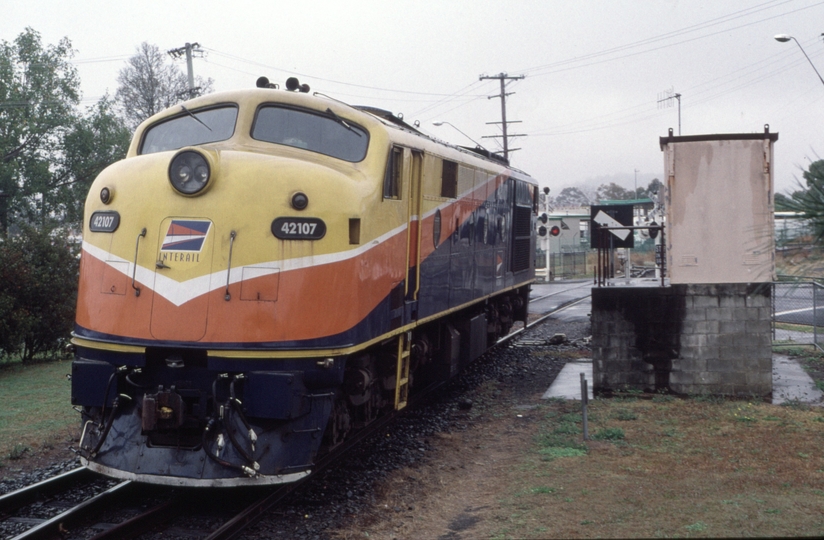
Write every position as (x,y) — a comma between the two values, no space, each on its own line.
(719,207)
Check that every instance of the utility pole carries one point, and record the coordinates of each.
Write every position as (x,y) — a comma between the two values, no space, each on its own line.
(188,50)
(503,77)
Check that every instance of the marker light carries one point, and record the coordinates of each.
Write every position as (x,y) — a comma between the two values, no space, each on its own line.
(300,201)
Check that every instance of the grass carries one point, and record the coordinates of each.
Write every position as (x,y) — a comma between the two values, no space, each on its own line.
(680,468)
(36,409)
(804,328)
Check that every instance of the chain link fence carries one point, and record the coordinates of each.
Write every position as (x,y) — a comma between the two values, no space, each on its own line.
(568,265)
(798,312)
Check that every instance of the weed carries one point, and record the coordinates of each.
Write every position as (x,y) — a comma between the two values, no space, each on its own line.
(542,490)
(572,418)
(745,413)
(567,429)
(795,405)
(713,399)
(556,452)
(698,526)
(18,451)
(609,434)
(626,415)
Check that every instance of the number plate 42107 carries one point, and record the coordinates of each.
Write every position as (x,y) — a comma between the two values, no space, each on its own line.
(298,228)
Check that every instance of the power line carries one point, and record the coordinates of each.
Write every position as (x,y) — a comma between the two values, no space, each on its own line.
(306,75)
(575,63)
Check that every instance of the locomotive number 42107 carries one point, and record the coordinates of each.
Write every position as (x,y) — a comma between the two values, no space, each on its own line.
(293,228)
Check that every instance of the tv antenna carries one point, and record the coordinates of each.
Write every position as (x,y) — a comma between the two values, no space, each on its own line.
(665,101)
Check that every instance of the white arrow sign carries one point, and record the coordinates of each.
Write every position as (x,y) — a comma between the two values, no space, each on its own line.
(605,220)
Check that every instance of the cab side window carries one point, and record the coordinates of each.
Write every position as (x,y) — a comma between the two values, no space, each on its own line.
(394,170)
(449,179)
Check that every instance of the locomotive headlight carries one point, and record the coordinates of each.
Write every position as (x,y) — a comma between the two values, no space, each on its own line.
(189,172)
(106,195)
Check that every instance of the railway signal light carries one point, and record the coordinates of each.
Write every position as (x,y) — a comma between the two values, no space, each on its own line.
(555,230)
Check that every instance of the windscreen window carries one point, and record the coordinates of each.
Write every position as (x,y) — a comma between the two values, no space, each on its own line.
(326,134)
(190,128)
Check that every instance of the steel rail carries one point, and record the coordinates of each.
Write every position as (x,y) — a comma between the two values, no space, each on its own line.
(540,319)
(57,526)
(143,522)
(539,298)
(17,499)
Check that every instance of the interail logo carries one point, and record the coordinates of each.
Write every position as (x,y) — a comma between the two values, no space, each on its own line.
(186,235)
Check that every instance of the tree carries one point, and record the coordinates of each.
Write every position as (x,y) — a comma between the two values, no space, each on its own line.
(38,291)
(782,203)
(571,197)
(94,141)
(39,90)
(648,192)
(150,83)
(49,151)
(810,201)
(612,192)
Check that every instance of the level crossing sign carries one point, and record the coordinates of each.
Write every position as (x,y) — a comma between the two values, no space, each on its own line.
(612,215)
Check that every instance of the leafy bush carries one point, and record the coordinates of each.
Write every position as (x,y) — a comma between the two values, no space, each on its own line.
(38,291)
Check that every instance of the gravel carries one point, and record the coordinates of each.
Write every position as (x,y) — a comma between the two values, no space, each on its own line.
(21,480)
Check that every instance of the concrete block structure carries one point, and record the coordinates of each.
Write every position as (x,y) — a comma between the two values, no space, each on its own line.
(706,339)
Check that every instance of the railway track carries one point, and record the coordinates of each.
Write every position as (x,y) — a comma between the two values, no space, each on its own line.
(150,509)
(39,505)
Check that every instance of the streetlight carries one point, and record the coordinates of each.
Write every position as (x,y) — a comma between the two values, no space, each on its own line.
(783,38)
(442,122)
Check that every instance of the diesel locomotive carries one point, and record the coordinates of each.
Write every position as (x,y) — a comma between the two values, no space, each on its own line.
(268,271)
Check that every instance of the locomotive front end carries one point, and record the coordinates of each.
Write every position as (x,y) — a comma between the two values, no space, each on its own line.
(209,346)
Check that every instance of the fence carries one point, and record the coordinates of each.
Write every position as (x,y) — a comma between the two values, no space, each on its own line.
(798,312)
(568,265)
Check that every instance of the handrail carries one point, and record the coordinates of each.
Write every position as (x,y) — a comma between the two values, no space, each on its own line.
(134,269)
(232,237)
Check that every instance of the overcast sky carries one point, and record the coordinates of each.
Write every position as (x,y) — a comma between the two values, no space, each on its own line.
(594,70)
